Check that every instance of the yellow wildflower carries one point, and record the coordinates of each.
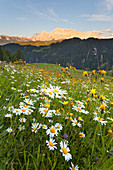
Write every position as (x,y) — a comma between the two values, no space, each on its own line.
(85,73)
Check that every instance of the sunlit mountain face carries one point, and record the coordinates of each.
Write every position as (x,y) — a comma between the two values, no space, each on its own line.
(57,34)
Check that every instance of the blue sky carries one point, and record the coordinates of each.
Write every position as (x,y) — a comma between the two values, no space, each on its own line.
(27,17)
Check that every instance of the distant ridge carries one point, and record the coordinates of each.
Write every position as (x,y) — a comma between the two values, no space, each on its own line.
(56,35)
(62,33)
(5,39)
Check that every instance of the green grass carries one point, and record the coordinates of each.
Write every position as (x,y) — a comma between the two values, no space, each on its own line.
(34,85)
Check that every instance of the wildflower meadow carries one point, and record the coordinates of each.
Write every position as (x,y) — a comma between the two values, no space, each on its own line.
(55,118)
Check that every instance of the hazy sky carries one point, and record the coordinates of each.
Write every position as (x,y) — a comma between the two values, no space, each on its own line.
(27,17)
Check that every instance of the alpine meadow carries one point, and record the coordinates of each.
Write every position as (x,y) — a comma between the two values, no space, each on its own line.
(55,118)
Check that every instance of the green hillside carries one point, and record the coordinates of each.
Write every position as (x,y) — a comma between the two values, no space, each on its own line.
(82,54)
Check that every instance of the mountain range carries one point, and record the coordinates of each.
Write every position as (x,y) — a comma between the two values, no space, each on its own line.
(64,46)
(55,35)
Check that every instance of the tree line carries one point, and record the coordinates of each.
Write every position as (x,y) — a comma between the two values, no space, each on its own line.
(5,55)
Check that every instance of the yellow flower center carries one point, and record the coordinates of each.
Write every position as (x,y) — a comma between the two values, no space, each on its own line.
(50,93)
(51,144)
(34,129)
(23,110)
(45,110)
(81,134)
(17,111)
(56,91)
(20,128)
(73,168)
(58,127)
(52,130)
(44,126)
(11,108)
(78,109)
(10,130)
(64,151)
(44,91)
(100,119)
(76,123)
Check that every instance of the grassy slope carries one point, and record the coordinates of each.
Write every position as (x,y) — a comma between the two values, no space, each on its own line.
(28,150)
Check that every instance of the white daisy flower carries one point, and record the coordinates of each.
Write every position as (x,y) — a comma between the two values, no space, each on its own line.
(57,91)
(22,119)
(44,91)
(34,128)
(58,127)
(13,88)
(51,144)
(44,126)
(78,109)
(8,115)
(9,130)
(101,120)
(50,93)
(24,110)
(21,104)
(52,131)
(21,127)
(11,108)
(74,167)
(82,135)
(75,123)
(34,90)
(65,150)
(85,112)
(30,102)
(50,113)
(110,118)
(95,113)
(34,119)
(28,112)
(50,121)
(43,110)
(17,111)
(25,106)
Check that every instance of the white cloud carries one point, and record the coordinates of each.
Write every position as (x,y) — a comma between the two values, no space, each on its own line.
(48,14)
(102,32)
(51,15)
(108,33)
(98,17)
(108,4)
(21,18)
